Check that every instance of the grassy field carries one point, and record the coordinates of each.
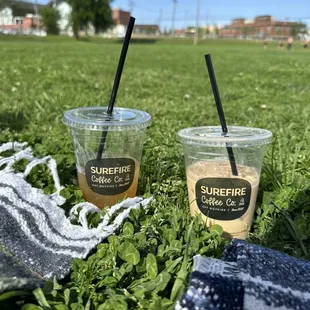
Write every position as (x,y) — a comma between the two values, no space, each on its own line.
(41,78)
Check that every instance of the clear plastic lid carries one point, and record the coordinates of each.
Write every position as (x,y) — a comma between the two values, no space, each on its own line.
(96,118)
(236,136)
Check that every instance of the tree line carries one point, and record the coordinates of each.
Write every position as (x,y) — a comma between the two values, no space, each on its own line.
(85,13)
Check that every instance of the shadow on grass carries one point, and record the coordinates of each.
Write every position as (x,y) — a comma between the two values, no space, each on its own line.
(289,229)
(95,40)
(139,41)
(14,121)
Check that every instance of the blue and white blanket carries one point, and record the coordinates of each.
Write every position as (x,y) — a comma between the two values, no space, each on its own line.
(248,277)
(37,240)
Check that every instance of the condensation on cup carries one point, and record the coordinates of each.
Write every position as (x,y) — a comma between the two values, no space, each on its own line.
(114,175)
(213,191)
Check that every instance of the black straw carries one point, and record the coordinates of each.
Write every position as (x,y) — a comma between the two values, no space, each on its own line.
(121,63)
(220,112)
(117,80)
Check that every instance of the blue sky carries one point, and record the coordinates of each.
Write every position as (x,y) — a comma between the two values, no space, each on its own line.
(221,11)
(215,11)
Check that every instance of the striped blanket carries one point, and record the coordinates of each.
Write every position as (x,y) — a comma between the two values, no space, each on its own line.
(37,240)
(248,277)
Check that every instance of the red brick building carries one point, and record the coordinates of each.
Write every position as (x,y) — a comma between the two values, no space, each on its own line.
(22,24)
(179,33)
(261,27)
(19,16)
(120,17)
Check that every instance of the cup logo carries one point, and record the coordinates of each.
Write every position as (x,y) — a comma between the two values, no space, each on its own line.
(110,176)
(223,199)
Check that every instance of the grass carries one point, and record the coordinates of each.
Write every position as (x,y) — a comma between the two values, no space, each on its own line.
(43,77)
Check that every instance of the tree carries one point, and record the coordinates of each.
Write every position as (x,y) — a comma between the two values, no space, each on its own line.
(19,10)
(298,28)
(102,15)
(50,17)
(95,12)
(245,30)
(216,29)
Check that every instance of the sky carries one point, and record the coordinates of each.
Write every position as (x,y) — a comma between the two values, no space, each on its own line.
(219,12)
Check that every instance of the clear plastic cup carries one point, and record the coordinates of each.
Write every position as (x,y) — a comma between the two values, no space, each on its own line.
(214,192)
(106,179)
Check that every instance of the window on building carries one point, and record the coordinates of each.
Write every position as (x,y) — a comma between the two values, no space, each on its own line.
(18,21)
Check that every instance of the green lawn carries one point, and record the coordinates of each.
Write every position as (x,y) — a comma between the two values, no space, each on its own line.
(43,77)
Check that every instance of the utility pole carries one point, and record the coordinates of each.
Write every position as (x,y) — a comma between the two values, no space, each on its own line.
(131,6)
(286,28)
(36,12)
(35,7)
(160,19)
(206,27)
(197,23)
(185,19)
(173,16)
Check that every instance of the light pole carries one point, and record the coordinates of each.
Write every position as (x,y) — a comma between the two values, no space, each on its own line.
(131,6)
(160,18)
(197,23)
(173,16)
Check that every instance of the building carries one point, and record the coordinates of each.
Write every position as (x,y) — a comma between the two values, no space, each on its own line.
(64,10)
(261,27)
(19,17)
(146,30)
(121,19)
(179,33)
(23,17)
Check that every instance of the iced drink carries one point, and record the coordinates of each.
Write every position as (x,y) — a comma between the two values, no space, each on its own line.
(113,175)
(232,204)
(109,200)
(214,192)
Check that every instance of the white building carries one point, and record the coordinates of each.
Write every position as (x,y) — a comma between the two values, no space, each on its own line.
(28,21)
(6,16)
(64,10)
(120,19)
